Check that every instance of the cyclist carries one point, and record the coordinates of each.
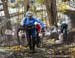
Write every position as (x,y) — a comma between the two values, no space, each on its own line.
(31,20)
(64,30)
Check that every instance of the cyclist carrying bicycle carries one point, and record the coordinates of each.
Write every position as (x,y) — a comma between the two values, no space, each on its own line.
(32,26)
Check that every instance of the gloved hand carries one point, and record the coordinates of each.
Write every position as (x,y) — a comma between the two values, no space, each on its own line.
(21,34)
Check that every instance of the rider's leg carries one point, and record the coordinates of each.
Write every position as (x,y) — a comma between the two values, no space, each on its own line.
(33,43)
(38,40)
(34,33)
(29,40)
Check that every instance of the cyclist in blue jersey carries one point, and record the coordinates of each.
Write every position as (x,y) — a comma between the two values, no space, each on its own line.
(28,22)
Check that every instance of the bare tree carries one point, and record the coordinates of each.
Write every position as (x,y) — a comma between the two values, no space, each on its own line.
(51,10)
(5,7)
(26,5)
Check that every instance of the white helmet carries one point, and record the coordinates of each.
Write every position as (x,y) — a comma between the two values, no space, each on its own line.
(29,13)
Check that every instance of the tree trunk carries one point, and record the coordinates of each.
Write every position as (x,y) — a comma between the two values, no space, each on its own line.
(26,5)
(51,11)
(5,7)
(6,12)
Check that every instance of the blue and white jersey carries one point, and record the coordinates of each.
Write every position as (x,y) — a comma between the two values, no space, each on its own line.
(32,20)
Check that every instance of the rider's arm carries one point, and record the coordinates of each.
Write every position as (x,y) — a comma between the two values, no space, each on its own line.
(41,23)
(23,21)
